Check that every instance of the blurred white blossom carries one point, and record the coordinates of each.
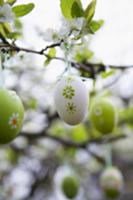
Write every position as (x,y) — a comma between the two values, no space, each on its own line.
(77,23)
(51,35)
(64,29)
(74,25)
(6,14)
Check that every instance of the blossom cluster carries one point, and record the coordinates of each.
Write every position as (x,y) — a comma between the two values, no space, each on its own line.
(6,14)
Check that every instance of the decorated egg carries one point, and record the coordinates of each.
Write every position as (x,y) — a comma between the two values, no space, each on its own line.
(111,182)
(11,115)
(71,99)
(70,186)
(103,115)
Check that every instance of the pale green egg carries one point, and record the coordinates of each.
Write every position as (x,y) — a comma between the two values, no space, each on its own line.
(103,116)
(111,182)
(11,115)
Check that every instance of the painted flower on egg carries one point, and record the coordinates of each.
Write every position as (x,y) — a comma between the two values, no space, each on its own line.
(13,120)
(11,115)
(70,107)
(68,92)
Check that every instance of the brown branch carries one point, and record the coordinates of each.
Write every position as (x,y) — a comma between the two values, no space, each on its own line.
(70,143)
(85,66)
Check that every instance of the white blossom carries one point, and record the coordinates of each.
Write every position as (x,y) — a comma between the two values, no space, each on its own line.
(64,29)
(6,14)
(51,35)
(48,35)
(74,25)
(64,32)
(77,23)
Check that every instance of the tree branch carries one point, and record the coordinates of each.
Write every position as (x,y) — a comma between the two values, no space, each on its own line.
(93,68)
(70,143)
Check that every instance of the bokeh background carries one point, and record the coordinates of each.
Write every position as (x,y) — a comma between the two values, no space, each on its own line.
(32,166)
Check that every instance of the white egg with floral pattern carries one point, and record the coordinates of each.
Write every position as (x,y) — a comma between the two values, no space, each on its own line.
(71,99)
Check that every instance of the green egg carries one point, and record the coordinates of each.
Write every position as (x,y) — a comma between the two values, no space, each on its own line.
(11,115)
(70,186)
(103,116)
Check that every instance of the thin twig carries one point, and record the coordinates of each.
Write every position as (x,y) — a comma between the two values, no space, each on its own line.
(85,66)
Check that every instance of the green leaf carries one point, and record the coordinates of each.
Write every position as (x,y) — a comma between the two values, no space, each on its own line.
(52,52)
(96,25)
(76,10)
(6,27)
(47,62)
(32,103)
(84,55)
(2,31)
(57,129)
(79,133)
(14,35)
(1,2)
(17,23)
(71,8)
(106,74)
(23,9)
(11,2)
(90,11)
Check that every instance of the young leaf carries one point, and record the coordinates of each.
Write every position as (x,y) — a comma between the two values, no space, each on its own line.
(2,31)
(71,8)
(18,24)
(79,133)
(14,35)
(47,62)
(11,2)
(51,54)
(108,73)
(96,25)
(76,10)
(84,55)
(7,28)
(90,11)
(23,9)
(1,2)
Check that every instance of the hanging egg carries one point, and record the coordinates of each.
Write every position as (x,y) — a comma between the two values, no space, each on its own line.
(103,115)
(70,186)
(11,115)
(111,182)
(71,99)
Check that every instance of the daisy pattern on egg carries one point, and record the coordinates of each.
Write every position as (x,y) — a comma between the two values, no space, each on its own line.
(13,120)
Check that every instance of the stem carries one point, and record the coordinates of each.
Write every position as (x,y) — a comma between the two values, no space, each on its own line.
(1,72)
(109,155)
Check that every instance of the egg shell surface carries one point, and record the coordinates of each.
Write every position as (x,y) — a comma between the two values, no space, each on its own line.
(112,182)
(11,115)
(103,115)
(71,100)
